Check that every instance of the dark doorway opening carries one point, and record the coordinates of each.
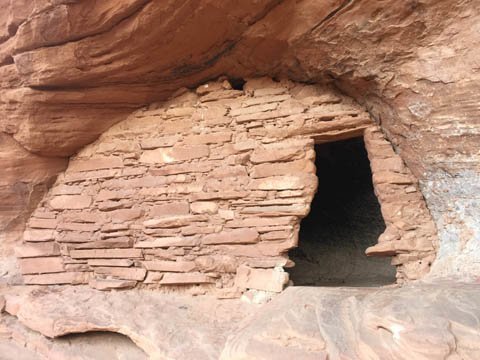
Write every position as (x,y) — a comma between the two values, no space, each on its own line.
(344,220)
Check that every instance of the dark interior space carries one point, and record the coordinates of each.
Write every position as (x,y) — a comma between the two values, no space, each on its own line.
(344,220)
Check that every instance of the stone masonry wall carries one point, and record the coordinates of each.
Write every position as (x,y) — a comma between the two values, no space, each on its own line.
(410,235)
(205,191)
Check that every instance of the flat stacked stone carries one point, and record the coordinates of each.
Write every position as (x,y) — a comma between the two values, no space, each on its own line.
(206,190)
(410,237)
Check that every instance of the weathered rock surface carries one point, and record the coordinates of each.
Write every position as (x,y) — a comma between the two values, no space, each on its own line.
(72,69)
(19,342)
(422,321)
(412,322)
(69,70)
(164,326)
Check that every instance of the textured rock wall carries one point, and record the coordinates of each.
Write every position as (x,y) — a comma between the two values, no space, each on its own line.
(410,234)
(69,70)
(208,189)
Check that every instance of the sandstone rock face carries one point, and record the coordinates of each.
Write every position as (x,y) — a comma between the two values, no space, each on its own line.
(413,322)
(76,68)
(421,321)
(132,207)
(164,326)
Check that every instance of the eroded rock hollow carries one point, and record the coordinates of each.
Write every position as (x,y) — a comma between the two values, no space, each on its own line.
(177,147)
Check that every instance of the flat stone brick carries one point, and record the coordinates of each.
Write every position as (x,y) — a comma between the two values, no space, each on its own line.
(91,175)
(131,273)
(263,155)
(278,210)
(64,202)
(269,91)
(41,265)
(37,250)
(284,182)
(217,263)
(265,100)
(43,214)
(276,235)
(78,226)
(169,266)
(260,222)
(219,195)
(95,164)
(267,248)
(153,277)
(212,138)
(110,262)
(220,95)
(245,145)
(117,145)
(253,109)
(187,278)
(77,267)
(74,278)
(282,168)
(110,284)
(162,232)
(170,209)
(38,235)
(115,227)
(122,215)
(42,223)
(115,234)
(168,242)
(174,221)
(204,207)
(390,177)
(197,230)
(119,242)
(228,171)
(237,236)
(74,237)
(87,216)
(130,184)
(67,190)
(114,195)
(212,116)
(259,279)
(106,253)
(182,169)
(175,154)
(180,112)
(158,142)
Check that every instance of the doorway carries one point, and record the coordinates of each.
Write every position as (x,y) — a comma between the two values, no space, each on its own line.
(344,220)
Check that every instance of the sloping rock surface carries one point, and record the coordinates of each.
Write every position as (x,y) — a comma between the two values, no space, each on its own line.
(421,321)
(413,322)
(165,326)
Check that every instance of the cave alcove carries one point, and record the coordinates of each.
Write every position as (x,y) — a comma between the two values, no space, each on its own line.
(344,220)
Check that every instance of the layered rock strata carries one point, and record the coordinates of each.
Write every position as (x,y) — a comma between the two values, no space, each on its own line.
(206,189)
